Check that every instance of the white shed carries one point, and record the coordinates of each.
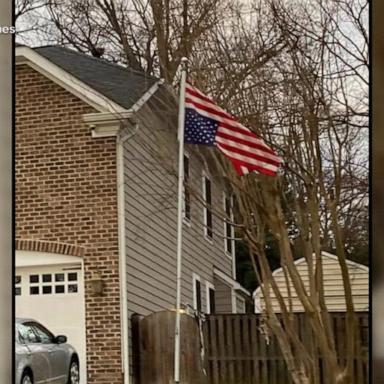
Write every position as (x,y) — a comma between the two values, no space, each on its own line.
(333,286)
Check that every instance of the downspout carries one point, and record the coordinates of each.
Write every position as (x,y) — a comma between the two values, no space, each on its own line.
(121,138)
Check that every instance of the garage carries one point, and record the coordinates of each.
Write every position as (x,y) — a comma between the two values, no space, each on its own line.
(49,288)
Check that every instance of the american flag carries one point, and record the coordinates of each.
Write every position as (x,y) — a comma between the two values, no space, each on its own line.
(208,124)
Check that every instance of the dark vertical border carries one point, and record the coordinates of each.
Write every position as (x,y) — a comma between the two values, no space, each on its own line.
(6,315)
(377,188)
(13,191)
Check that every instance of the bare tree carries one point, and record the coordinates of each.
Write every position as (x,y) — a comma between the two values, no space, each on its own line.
(296,72)
(310,101)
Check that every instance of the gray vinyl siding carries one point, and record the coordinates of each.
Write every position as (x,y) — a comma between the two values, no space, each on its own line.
(151,220)
(223,297)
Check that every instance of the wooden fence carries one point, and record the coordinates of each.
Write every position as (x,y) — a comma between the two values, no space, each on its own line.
(153,349)
(237,351)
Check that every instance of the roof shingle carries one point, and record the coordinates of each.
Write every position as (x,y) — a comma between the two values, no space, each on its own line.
(122,85)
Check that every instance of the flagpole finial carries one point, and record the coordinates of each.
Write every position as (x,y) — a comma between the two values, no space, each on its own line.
(184,63)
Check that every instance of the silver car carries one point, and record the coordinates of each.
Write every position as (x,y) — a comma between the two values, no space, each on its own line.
(42,357)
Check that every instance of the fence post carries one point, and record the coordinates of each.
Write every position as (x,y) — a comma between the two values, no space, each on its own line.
(135,328)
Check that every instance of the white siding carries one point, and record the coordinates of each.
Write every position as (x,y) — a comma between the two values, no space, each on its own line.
(333,286)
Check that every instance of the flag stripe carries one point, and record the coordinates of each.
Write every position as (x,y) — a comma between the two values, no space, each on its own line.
(246,159)
(205,113)
(237,127)
(251,141)
(248,162)
(210,109)
(247,151)
(195,92)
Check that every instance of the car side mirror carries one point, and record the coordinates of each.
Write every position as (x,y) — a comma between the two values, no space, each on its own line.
(61,339)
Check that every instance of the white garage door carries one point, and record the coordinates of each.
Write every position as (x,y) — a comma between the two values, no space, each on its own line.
(53,294)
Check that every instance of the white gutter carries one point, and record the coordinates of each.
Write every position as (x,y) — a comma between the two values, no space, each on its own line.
(109,125)
(121,138)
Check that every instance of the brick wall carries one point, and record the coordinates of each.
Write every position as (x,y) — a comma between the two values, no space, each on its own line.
(66,193)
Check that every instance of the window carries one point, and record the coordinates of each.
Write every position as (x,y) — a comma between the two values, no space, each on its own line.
(207,196)
(34,290)
(17,285)
(196,292)
(33,278)
(187,195)
(47,290)
(47,278)
(228,228)
(59,289)
(52,283)
(210,298)
(59,277)
(72,276)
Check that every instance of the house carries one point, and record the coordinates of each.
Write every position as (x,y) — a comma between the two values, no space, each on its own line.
(96,201)
(333,286)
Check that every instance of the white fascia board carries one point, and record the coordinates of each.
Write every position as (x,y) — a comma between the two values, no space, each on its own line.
(106,124)
(26,55)
(233,283)
(146,96)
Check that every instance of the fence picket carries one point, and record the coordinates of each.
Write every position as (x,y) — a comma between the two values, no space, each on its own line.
(241,355)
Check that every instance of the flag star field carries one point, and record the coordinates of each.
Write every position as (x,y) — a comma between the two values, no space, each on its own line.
(199,129)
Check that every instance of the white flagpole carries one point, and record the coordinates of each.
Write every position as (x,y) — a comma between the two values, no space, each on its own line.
(180,215)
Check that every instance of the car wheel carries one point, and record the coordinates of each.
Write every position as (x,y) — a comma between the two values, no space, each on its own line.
(26,379)
(74,373)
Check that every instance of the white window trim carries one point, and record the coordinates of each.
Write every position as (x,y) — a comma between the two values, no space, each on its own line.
(187,221)
(196,277)
(206,176)
(208,286)
(233,300)
(257,303)
(230,255)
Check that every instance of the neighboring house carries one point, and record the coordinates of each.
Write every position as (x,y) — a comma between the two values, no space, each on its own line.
(333,286)
(96,207)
